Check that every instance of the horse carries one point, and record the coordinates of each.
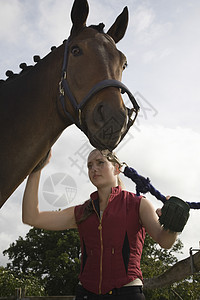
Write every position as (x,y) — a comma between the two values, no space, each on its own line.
(79,83)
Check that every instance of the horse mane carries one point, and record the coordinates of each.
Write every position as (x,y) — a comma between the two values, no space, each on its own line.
(24,67)
(99,27)
(36,58)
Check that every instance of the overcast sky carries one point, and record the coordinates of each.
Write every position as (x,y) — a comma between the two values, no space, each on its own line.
(162,46)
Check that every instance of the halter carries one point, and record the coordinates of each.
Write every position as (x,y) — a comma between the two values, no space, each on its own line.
(78,107)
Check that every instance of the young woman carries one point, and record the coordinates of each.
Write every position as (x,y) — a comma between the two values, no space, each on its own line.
(111,225)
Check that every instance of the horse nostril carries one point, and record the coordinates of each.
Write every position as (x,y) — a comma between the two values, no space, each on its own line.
(99,114)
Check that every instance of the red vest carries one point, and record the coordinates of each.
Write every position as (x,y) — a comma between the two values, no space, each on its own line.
(112,246)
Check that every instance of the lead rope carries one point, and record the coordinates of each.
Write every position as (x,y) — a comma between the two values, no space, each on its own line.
(143,185)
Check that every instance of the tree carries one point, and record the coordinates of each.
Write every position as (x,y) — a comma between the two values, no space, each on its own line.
(50,255)
(165,277)
(54,258)
(177,272)
(155,261)
(188,289)
(9,282)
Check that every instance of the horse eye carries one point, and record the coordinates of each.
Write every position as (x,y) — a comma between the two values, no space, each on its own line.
(125,65)
(76,51)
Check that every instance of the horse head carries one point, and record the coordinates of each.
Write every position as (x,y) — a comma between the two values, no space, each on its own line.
(91,79)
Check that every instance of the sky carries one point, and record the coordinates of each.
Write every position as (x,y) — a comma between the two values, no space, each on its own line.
(162,46)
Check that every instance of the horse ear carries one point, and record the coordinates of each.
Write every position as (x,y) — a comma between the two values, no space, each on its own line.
(79,15)
(118,29)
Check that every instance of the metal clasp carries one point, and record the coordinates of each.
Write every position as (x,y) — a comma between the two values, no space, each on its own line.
(61,89)
(79,116)
(113,158)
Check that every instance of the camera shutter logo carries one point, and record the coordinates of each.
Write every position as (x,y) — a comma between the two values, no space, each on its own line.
(59,189)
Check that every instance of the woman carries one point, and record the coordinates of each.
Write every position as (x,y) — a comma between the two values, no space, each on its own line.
(111,226)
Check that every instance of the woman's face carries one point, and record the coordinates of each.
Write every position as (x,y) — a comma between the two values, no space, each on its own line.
(101,172)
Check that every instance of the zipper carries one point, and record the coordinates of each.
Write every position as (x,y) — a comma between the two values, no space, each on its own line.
(101,257)
(101,242)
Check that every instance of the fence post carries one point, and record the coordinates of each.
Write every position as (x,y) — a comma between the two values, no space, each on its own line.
(18,293)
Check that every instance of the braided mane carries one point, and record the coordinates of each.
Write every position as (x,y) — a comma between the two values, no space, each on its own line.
(99,27)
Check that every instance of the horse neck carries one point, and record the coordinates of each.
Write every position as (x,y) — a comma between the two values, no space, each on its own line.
(45,86)
(34,94)
(29,120)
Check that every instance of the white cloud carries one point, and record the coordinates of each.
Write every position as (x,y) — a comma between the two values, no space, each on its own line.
(143,20)
(11,13)
(11,226)
(170,156)
(54,23)
(153,56)
(146,27)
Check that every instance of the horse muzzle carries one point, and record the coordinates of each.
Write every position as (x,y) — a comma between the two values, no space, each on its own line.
(110,126)
(112,131)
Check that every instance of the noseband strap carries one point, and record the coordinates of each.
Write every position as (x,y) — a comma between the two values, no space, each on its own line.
(78,107)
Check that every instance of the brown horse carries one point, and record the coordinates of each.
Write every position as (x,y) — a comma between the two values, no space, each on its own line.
(78,82)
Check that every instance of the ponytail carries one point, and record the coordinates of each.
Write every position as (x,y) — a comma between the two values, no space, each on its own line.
(88,211)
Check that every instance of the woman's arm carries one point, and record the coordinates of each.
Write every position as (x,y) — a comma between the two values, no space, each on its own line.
(151,223)
(49,220)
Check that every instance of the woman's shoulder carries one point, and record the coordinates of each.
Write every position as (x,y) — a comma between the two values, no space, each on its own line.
(131,198)
(81,207)
(131,195)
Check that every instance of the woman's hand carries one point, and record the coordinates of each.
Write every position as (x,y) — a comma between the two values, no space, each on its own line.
(159,210)
(150,221)
(44,161)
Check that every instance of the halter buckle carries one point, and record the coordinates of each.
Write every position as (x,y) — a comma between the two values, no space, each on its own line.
(79,116)
(61,88)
